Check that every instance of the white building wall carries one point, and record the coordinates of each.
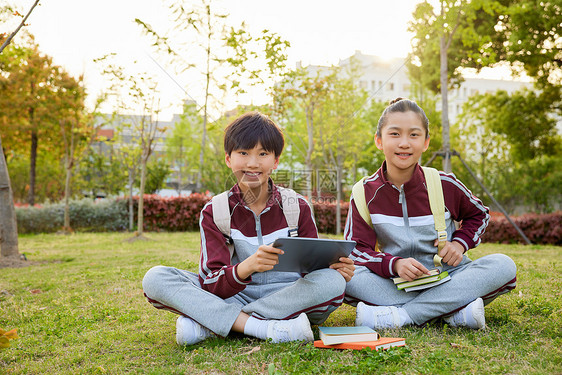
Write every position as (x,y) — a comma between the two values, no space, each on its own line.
(386,80)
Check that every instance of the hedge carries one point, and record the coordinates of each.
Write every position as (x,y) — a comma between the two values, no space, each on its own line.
(539,228)
(325,215)
(85,215)
(172,214)
(182,214)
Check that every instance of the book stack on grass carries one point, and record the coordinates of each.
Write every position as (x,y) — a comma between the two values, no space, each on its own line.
(434,278)
(355,338)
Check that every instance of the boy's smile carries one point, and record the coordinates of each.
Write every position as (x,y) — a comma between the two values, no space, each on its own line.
(252,167)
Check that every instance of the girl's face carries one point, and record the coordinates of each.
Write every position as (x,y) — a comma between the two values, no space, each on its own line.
(403,140)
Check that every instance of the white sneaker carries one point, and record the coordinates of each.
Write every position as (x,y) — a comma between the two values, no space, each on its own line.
(377,317)
(297,329)
(471,316)
(189,332)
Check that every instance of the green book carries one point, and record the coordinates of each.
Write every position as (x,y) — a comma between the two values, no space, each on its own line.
(426,282)
(432,272)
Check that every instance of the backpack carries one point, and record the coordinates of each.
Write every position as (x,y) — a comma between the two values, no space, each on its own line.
(221,213)
(436,202)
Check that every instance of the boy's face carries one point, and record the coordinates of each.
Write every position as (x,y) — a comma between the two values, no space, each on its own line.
(403,140)
(252,167)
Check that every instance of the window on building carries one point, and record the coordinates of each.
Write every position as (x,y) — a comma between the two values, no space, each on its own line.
(391,86)
(363,84)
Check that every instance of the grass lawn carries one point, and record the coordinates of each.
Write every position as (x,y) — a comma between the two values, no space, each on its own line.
(81,310)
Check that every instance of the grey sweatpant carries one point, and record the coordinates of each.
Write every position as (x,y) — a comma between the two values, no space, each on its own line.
(317,294)
(486,277)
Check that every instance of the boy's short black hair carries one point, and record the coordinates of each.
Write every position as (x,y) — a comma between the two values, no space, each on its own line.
(252,128)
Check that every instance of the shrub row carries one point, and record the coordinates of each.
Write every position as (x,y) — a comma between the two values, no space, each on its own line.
(325,215)
(182,214)
(85,215)
(540,229)
(172,214)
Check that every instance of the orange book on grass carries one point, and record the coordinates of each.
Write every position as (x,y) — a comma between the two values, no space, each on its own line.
(382,343)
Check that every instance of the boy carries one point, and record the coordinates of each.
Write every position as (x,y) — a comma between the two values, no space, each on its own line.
(238,291)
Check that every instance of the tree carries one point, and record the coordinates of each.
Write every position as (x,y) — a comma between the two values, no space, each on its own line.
(78,131)
(341,129)
(512,137)
(136,93)
(306,92)
(100,173)
(129,155)
(463,38)
(6,40)
(231,56)
(8,226)
(527,35)
(156,173)
(33,97)
(524,34)
(182,146)
(208,28)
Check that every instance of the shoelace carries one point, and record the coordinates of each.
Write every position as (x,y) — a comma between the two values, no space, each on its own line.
(385,318)
(281,332)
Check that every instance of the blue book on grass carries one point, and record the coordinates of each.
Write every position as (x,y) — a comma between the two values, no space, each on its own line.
(340,335)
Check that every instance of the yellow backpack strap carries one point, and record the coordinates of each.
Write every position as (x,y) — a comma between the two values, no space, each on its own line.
(358,192)
(437,204)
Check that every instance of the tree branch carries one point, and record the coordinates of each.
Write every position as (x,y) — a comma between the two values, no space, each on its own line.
(12,35)
(457,24)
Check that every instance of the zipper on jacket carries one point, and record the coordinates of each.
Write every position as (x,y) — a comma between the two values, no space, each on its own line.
(402,201)
(258,225)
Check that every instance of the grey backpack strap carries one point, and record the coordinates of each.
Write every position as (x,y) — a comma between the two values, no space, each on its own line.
(221,217)
(291,210)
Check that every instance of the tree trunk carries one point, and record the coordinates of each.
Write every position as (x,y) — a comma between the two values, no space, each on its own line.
(66,227)
(310,149)
(338,198)
(131,213)
(199,182)
(32,167)
(140,210)
(445,106)
(180,168)
(8,223)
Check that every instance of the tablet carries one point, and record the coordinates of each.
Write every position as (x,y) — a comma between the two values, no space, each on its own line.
(305,255)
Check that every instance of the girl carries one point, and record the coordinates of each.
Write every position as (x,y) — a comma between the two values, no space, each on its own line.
(403,227)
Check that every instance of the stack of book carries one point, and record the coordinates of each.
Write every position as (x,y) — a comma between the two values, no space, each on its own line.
(434,278)
(355,338)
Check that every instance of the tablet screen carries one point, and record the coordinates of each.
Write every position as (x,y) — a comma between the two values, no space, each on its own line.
(305,255)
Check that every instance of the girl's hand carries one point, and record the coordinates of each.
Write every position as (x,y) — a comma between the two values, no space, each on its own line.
(409,269)
(262,260)
(452,253)
(345,267)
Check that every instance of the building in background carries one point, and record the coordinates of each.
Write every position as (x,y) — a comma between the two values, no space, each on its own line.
(387,79)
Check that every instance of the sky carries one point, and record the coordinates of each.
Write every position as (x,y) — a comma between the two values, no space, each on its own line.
(75,32)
